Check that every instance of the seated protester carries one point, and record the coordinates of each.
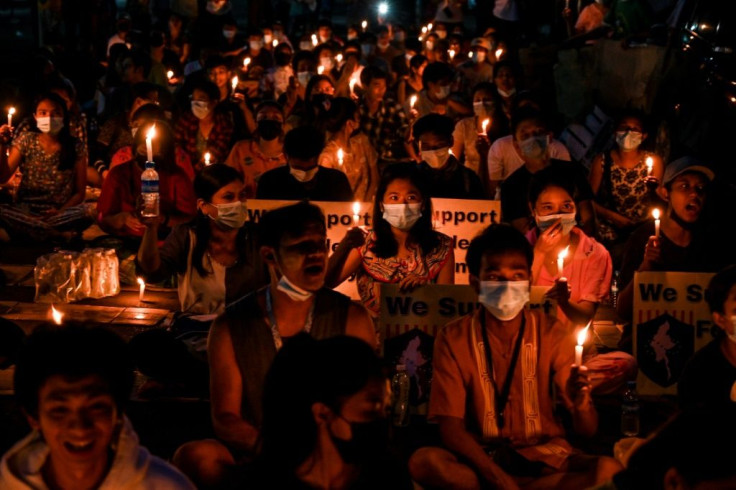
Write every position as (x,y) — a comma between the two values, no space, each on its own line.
(235,109)
(177,38)
(294,98)
(259,57)
(50,198)
(245,339)
(447,177)
(324,55)
(368,41)
(532,140)
(326,35)
(384,50)
(319,91)
(504,78)
(709,377)
(469,137)
(202,129)
(506,155)
(587,272)
(402,248)
(382,118)
(622,182)
(73,384)
(411,84)
(682,246)
(276,81)
(436,98)
(498,425)
(117,207)
(253,157)
(302,177)
(478,68)
(231,41)
(358,160)
(325,427)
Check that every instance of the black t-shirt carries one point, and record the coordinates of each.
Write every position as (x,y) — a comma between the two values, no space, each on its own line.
(327,185)
(515,189)
(454,181)
(708,379)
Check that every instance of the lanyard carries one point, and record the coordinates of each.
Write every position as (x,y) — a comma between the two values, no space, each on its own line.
(502,398)
(278,342)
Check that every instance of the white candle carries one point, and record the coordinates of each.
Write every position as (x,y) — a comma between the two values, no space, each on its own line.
(170,75)
(655,214)
(429,26)
(352,83)
(235,83)
(561,261)
(56,315)
(320,69)
(246,62)
(149,138)
(11,111)
(314,40)
(356,213)
(338,58)
(650,166)
(207,158)
(579,348)
(141,289)
(340,157)
(275,43)
(364,25)
(424,31)
(484,125)
(412,101)
(451,53)
(499,53)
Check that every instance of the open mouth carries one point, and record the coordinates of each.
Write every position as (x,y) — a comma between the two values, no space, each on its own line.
(79,447)
(313,270)
(692,207)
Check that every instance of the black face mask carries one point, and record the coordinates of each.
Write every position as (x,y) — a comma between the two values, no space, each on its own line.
(282,59)
(269,130)
(370,440)
(322,102)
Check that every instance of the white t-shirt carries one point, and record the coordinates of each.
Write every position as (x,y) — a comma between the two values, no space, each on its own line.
(506,10)
(503,159)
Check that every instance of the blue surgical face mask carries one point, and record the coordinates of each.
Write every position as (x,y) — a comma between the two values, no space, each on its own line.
(402,216)
(628,140)
(504,299)
(535,147)
(567,220)
(292,290)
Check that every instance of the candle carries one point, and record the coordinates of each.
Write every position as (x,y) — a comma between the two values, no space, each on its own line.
(412,101)
(320,69)
(141,289)
(561,261)
(579,348)
(315,41)
(170,75)
(235,82)
(207,158)
(650,166)
(338,58)
(429,26)
(246,62)
(470,55)
(451,53)
(149,137)
(340,156)
(56,315)
(655,215)
(499,53)
(275,43)
(424,31)
(356,213)
(352,83)
(484,125)
(11,111)
(364,25)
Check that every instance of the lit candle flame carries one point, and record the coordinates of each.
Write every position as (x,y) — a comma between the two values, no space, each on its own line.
(470,55)
(56,315)
(424,30)
(650,165)
(170,74)
(655,213)
(141,288)
(320,69)
(246,62)
(429,26)
(275,43)
(151,132)
(11,111)
(356,207)
(235,82)
(563,253)
(412,101)
(314,40)
(499,53)
(340,157)
(452,54)
(338,58)
(364,24)
(207,158)
(485,124)
(352,83)
(583,334)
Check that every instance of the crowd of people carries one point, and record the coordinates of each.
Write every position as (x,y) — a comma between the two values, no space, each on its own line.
(395,116)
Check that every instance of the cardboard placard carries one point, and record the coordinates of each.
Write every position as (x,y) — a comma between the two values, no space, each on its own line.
(671,321)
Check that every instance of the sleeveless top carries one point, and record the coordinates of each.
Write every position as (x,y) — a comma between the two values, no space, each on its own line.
(254,346)
(623,191)
(201,295)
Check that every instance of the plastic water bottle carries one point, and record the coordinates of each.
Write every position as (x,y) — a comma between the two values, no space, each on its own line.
(149,191)
(630,411)
(614,290)
(400,392)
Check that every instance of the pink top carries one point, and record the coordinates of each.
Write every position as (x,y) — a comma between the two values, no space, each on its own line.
(588,274)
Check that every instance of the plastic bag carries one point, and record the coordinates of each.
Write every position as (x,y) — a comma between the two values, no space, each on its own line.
(64,276)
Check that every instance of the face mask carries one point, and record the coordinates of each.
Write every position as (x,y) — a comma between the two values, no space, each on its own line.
(504,299)
(292,290)
(443,92)
(268,129)
(230,215)
(303,175)
(732,334)
(535,147)
(305,46)
(282,59)
(430,45)
(327,62)
(408,57)
(228,34)
(383,46)
(267,38)
(506,94)
(50,125)
(483,109)
(441,34)
(303,78)
(479,56)
(368,440)
(568,222)
(436,158)
(200,109)
(256,45)
(402,216)
(628,140)
(322,102)
(367,49)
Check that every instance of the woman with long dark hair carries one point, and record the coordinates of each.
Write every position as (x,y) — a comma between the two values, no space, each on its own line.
(50,196)
(403,248)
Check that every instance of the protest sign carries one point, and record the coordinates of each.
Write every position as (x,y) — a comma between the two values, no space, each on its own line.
(671,321)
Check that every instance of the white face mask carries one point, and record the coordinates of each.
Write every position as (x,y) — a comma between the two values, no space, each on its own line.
(231,215)
(628,140)
(443,92)
(504,299)
(479,56)
(303,77)
(303,175)
(402,216)
(535,147)
(505,93)
(292,290)
(483,109)
(50,125)
(327,62)
(568,222)
(228,33)
(200,109)
(436,158)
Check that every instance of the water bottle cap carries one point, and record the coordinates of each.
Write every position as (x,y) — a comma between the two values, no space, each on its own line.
(150,164)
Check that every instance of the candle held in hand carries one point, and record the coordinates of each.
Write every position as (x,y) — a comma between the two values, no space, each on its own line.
(11,111)
(207,159)
(484,125)
(499,53)
(340,156)
(412,101)
(149,143)
(655,214)
(356,213)
(579,348)
(246,62)
(234,83)
(56,315)
(650,166)
(561,261)
(141,289)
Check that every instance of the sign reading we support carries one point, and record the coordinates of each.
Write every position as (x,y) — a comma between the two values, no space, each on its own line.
(458,218)
(671,321)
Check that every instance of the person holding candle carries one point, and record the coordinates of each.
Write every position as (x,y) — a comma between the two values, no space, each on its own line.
(402,248)
(493,372)
(359,159)
(230,102)
(411,84)
(477,68)
(436,96)
(622,183)
(582,282)
(50,198)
